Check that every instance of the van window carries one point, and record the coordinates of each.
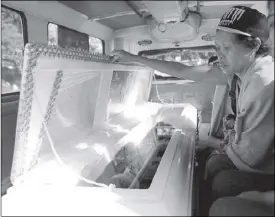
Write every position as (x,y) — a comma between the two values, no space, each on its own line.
(64,37)
(189,56)
(13,35)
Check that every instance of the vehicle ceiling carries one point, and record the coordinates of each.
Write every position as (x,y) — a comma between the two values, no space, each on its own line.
(135,25)
(121,14)
(140,21)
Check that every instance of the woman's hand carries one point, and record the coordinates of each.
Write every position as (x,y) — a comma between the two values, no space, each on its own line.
(211,141)
(121,56)
(251,195)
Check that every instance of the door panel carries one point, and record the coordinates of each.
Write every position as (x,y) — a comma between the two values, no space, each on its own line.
(8,117)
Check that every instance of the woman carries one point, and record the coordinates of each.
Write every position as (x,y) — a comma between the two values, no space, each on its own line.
(251,203)
(240,40)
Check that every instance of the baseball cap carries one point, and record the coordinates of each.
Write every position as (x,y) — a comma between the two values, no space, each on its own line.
(245,21)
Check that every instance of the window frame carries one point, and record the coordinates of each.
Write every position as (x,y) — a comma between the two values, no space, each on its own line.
(102,41)
(25,41)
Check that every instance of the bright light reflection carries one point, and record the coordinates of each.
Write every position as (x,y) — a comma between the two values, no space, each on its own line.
(65,202)
(190,113)
(132,97)
(178,58)
(65,121)
(137,134)
(141,112)
(115,107)
(53,173)
(102,150)
(82,146)
(118,128)
(15,87)
(140,133)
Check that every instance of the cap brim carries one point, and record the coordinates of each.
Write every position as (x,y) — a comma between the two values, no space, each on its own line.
(230,30)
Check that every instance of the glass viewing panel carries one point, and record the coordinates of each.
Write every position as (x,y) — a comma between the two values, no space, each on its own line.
(70,124)
(122,82)
(60,140)
(134,166)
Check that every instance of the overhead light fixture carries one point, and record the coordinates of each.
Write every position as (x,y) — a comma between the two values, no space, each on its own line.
(144,42)
(162,27)
(207,37)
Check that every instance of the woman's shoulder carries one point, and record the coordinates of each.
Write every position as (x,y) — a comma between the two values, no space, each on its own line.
(263,71)
(259,82)
(261,75)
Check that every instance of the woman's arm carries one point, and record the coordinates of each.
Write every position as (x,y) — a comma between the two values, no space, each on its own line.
(211,142)
(263,197)
(205,74)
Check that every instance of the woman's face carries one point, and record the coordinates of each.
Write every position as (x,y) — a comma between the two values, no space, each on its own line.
(231,53)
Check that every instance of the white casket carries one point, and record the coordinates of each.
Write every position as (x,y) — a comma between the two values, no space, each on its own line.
(88,142)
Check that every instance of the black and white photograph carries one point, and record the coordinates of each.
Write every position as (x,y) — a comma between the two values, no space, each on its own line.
(137,108)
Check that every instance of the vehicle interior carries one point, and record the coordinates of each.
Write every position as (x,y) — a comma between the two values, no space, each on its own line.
(164,118)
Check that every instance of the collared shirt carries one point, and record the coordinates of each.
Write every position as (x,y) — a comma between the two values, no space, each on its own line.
(253,146)
(228,106)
